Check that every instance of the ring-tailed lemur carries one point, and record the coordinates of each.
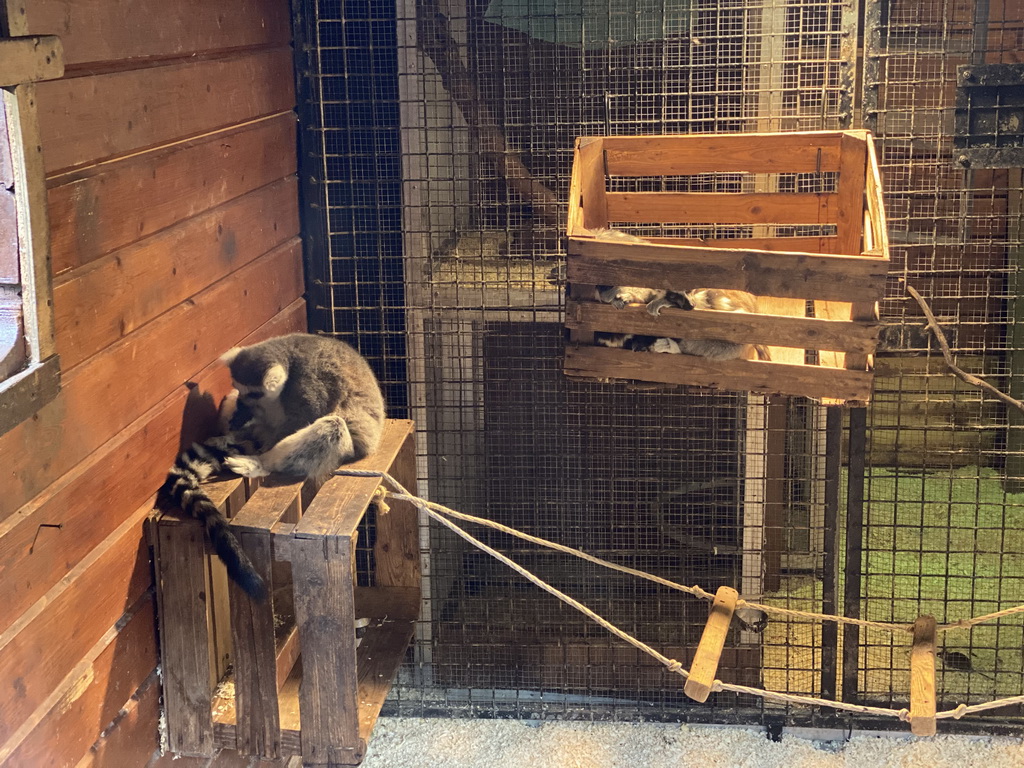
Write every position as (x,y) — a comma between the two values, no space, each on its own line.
(302,406)
(699,298)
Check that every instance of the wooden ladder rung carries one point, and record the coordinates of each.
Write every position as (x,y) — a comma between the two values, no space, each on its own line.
(922,678)
(709,651)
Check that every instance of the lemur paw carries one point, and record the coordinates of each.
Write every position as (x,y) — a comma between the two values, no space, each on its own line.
(246,466)
(668,346)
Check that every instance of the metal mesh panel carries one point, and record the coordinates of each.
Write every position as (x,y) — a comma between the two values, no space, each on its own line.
(943,510)
(437,145)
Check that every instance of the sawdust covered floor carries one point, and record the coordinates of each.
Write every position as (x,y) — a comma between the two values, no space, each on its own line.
(441,743)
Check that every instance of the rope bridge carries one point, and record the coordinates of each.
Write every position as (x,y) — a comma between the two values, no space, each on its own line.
(921,715)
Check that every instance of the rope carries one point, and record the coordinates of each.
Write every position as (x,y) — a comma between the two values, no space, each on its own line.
(439,512)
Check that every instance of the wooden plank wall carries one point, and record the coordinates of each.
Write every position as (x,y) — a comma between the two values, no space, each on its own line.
(170,155)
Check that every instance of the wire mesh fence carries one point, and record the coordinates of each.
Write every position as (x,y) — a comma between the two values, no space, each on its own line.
(437,143)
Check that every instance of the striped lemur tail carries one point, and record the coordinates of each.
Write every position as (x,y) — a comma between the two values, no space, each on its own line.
(183,487)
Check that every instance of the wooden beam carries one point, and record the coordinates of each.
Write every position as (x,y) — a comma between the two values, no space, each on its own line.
(106,207)
(45,642)
(739,375)
(185,636)
(141,108)
(712,641)
(850,209)
(255,655)
(776,330)
(117,30)
(397,547)
(116,295)
(740,153)
(132,738)
(325,615)
(791,244)
(922,678)
(30,59)
(787,275)
(90,696)
(593,200)
(722,207)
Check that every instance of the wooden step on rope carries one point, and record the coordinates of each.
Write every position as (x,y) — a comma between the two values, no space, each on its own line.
(922,678)
(709,651)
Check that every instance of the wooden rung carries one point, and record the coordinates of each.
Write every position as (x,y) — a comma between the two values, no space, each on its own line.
(705,662)
(825,331)
(723,207)
(738,375)
(680,268)
(922,678)
(739,153)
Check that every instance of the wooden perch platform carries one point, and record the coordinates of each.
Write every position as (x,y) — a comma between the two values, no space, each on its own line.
(817,293)
(287,677)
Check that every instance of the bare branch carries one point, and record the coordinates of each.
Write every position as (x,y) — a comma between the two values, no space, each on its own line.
(959,372)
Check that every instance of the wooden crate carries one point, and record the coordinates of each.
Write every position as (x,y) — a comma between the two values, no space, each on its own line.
(286,677)
(756,245)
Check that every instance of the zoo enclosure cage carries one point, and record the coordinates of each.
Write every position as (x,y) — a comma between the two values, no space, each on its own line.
(437,143)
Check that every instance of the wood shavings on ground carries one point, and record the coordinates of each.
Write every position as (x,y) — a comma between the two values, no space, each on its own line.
(443,743)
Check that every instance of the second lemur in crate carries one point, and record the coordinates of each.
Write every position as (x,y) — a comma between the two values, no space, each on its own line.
(302,406)
(722,300)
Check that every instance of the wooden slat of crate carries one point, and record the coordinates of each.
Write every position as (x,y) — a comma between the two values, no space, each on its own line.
(787,275)
(191,643)
(339,505)
(722,208)
(325,614)
(771,244)
(735,153)
(753,376)
(262,664)
(775,330)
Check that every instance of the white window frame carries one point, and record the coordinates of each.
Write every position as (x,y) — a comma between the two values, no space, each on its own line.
(25,60)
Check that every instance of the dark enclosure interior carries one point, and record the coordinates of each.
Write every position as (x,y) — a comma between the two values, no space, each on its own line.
(436,146)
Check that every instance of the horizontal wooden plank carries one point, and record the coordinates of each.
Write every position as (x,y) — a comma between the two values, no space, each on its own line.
(722,208)
(801,244)
(388,642)
(680,268)
(85,120)
(100,209)
(112,297)
(96,402)
(123,474)
(738,375)
(730,153)
(132,738)
(97,31)
(337,508)
(776,330)
(30,59)
(46,642)
(91,697)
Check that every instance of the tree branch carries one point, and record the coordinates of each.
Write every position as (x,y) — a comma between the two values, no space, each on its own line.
(959,372)
(435,39)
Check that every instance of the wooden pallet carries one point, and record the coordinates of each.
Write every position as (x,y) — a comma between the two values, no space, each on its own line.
(843,274)
(286,677)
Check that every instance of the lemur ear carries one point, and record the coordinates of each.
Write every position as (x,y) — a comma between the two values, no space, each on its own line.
(274,379)
(229,357)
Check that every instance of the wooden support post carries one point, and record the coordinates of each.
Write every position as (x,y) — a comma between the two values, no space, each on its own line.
(709,651)
(325,615)
(252,628)
(922,678)
(396,551)
(185,636)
